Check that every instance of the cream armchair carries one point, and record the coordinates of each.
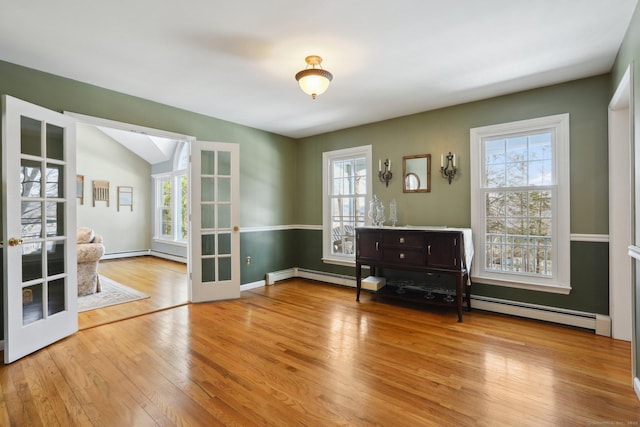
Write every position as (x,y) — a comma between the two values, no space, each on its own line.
(90,250)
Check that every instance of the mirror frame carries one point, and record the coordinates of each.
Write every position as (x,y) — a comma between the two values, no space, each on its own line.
(421,181)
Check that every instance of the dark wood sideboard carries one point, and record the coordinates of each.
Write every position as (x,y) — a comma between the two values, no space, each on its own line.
(422,250)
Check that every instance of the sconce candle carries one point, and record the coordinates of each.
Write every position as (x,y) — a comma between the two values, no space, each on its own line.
(385,176)
(449,170)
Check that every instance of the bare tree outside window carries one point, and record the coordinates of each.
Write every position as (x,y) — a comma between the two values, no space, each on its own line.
(518,203)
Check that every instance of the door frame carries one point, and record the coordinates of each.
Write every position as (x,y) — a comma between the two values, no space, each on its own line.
(97,121)
(621,206)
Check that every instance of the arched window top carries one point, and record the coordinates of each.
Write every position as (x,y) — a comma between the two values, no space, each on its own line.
(182,158)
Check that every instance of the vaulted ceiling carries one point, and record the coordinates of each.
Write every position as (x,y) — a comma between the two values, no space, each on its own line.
(237,60)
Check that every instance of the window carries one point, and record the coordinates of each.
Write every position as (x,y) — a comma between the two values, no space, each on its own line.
(347,190)
(172,220)
(520,204)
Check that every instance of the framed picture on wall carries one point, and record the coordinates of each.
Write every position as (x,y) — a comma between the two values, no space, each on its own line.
(80,188)
(125,197)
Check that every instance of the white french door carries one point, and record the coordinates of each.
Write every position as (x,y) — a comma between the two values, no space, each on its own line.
(214,256)
(39,222)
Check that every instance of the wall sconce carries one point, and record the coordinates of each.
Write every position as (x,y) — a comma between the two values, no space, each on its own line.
(448,170)
(386,175)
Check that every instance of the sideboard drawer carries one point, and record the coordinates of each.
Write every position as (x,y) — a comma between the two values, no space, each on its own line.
(409,240)
(404,257)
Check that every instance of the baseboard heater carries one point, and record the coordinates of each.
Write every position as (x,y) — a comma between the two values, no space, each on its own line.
(601,324)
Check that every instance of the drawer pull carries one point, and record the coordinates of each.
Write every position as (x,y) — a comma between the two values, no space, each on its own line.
(401,256)
(402,240)
(428,249)
(377,246)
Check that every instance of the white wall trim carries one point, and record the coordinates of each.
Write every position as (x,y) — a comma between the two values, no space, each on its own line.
(99,121)
(168,256)
(575,237)
(127,254)
(621,208)
(280,228)
(636,386)
(593,321)
(600,238)
(252,285)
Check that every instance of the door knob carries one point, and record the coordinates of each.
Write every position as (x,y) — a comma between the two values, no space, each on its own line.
(14,241)
(236,228)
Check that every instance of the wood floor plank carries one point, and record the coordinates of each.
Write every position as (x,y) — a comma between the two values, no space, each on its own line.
(302,353)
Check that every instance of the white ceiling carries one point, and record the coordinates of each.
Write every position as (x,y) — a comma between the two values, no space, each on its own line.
(237,60)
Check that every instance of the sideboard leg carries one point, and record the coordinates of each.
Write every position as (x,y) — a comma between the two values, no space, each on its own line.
(358,280)
(459,291)
(467,286)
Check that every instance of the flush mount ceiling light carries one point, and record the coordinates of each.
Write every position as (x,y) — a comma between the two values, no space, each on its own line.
(314,81)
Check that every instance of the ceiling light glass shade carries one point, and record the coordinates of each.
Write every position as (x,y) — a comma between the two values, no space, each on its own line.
(314,81)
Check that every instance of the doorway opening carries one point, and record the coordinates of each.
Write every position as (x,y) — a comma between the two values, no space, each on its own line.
(140,251)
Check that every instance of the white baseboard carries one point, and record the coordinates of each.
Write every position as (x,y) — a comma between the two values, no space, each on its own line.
(128,254)
(276,276)
(600,324)
(253,285)
(144,252)
(537,312)
(168,256)
(636,387)
(603,325)
(334,279)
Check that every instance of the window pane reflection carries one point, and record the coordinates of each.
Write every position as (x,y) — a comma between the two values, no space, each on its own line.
(31,220)
(55,183)
(55,218)
(32,307)
(30,179)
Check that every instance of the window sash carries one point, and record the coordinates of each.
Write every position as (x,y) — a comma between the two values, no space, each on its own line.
(347,189)
(520,203)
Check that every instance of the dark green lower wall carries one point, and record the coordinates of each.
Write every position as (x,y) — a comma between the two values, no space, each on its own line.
(589,276)
(269,251)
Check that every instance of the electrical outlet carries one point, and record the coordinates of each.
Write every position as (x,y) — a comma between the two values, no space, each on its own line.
(248,260)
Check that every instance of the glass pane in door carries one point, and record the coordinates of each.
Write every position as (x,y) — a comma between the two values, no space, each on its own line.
(30,136)
(208,270)
(55,258)
(55,142)
(224,267)
(32,307)
(32,261)
(55,301)
(30,179)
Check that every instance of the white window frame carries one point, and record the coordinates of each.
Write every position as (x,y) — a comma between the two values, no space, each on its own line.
(560,280)
(174,176)
(327,159)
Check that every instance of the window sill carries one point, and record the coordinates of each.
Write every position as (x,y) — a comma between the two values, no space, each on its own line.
(540,287)
(170,242)
(338,261)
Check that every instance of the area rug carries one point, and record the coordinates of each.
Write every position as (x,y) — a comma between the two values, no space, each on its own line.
(111,293)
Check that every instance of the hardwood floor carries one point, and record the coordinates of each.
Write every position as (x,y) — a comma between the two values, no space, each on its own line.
(163,280)
(306,354)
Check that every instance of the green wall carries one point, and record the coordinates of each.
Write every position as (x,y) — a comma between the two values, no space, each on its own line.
(267,160)
(280,182)
(440,131)
(629,54)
